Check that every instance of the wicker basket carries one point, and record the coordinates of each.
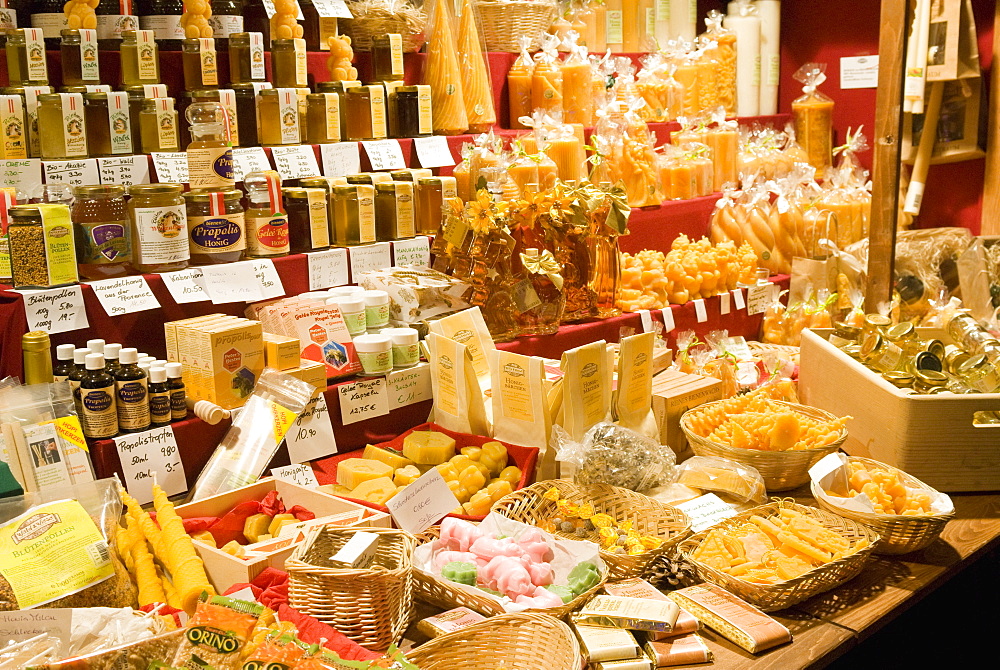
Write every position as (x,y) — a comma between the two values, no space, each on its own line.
(771,597)
(518,641)
(373,606)
(648,517)
(781,470)
(760,348)
(504,22)
(445,594)
(372,18)
(900,534)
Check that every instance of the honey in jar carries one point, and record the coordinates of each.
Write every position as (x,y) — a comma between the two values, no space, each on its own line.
(227,98)
(78,57)
(278,113)
(308,224)
(13,127)
(326,185)
(246,111)
(159,227)
(430,194)
(322,118)
(62,128)
(30,96)
(102,232)
(387,57)
(140,58)
(216,226)
(158,125)
(340,88)
(410,112)
(365,112)
(394,211)
(26,64)
(288,63)
(246,58)
(210,153)
(354,214)
(200,63)
(267,223)
(108,124)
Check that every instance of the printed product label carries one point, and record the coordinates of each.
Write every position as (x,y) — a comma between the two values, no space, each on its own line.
(424,108)
(650,25)
(159,407)
(327,29)
(103,243)
(162,235)
(15,136)
(74,133)
(8,18)
(331,103)
(301,66)
(34,44)
(51,551)
(154,91)
(227,98)
(405,224)
(319,226)
(378,112)
(267,235)
(447,397)
(31,94)
(146,52)
(515,393)
(224,26)
(376,363)
(449,187)
(89,70)
(60,249)
(133,404)
(166,124)
(405,354)
(356,322)
(614,27)
(210,167)
(164,27)
(662,10)
(217,234)
(283,418)
(209,65)
(100,416)
(396,54)
(366,213)
(111,26)
(257,56)
(376,316)
(288,112)
(178,404)
(51,24)
(120,125)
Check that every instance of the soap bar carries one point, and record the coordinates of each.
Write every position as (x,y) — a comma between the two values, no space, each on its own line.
(407,475)
(632,613)
(354,471)
(393,459)
(449,622)
(457,571)
(375,490)
(641,663)
(682,650)
(255,526)
(277,522)
(583,577)
(563,592)
(731,617)
(359,551)
(607,644)
(638,587)
(427,447)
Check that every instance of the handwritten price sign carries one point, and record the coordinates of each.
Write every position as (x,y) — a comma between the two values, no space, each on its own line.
(365,399)
(311,436)
(56,311)
(124,295)
(154,451)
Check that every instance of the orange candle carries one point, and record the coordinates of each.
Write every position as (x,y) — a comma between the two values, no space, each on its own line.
(724,143)
(546,86)
(600,42)
(519,89)
(708,83)
(548,171)
(524,173)
(577,87)
(683,181)
(630,26)
(569,157)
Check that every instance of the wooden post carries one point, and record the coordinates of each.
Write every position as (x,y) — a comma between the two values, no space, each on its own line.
(895,20)
(991,185)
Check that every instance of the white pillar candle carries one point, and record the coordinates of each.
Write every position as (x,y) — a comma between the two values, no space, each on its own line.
(684,19)
(746,25)
(662,29)
(770,54)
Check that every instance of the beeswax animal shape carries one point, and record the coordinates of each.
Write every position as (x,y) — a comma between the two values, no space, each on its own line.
(283,23)
(341,55)
(195,18)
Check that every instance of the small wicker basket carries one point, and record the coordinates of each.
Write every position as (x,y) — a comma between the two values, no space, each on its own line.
(648,517)
(520,641)
(771,597)
(371,606)
(504,22)
(781,470)
(445,594)
(900,534)
(374,17)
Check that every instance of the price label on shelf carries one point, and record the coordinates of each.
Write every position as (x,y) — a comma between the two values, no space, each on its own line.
(25,175)
(247,160)
(433,151)
(143,454)
(365,399)
(369,257)
(341,159)
(327,268)
(185,285)
(700,311)
(668,319)
(409,386)
(232,282)
(83,172)
(124,295)
(170,166)
(422,504)
(724,303)
(337,8)
(738,298)
(295,162)
(758,298)
(415,252)
(270,281)
(311,436)
(58,310)
(298,473)
(124,170)
(384,154)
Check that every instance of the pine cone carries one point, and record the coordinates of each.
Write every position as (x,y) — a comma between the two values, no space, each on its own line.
(670,572)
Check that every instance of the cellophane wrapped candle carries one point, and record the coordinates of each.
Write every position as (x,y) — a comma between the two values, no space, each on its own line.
(625,153)
(578,85)
(519,85)
(476,88)
(724,52)
(745,23)
(812,113)
(546,79)
(443,74)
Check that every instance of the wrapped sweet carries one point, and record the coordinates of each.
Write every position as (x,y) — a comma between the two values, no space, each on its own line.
(812,113)
(614,455)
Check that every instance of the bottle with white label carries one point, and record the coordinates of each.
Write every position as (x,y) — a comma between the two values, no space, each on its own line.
(178,392)
(210,153)
(99,417)
(131,393)
(159,397)
(163,17)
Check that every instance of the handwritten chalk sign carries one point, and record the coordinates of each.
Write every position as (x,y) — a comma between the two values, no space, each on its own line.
(415,252)
(421,504)
(311,436)
(341,159)
(124,295)
(364,399)
(185,286)
(409,386)
(327,268)
(299,473)
(143,454)
(57,310)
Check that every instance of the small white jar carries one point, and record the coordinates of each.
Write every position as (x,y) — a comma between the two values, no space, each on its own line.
(341,291)
(375,353)
(354,313)
(405,346)
(377,309)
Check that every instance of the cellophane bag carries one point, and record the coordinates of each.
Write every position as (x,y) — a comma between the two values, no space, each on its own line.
(612,454)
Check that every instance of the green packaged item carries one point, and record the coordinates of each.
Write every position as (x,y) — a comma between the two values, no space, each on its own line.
(564,592)
(583,577)
(463,573)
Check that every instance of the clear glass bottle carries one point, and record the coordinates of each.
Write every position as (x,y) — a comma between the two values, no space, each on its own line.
(163,17)
(158,125)
(99,419)
(102,231)
(159,227)
(267,223)
(113,18)
(216,226)
(140,58)
(200,62)
(210,153)
(225,97)
(131,393)
(79,58)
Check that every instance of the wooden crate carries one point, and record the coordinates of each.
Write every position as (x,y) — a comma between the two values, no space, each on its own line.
(932,437)
(224,570)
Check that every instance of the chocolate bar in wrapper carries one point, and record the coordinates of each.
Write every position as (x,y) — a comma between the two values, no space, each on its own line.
(640,588)
(731,617)
(681,650)
(631,613)
(607,644)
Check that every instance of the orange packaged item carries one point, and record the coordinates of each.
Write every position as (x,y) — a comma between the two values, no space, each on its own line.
(475,74)
(217,632)
(724,53)
(578,87)
(278,652)
(546,79)
(443,74)
(812,113)
(519,85)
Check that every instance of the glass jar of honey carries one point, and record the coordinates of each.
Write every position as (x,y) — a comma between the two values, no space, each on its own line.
(410,112)
(340,88)
(411,174)
(14,143)
(78,57)
(322,118)
(246,111)
(210,153)
(929,381)
(354,214)
(387,57)
(30,96)
(308,223)
(226,21)
(267,223)
(109,127)
(137,94)
(26,64)
(159,227)
(364,108)
(158,125)
(216,226)
(246,58)
(288,63)
(62,128)
(880,354)
(225,97)
(394,211)
(200,64)
(370,178)
(102,231)
(978,373)
(430,193)
(278,112)
(140,58)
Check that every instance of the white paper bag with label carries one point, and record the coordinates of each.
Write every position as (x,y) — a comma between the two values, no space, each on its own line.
(520,405)
(633,399)
(586,388)
(469,328)
(458,401)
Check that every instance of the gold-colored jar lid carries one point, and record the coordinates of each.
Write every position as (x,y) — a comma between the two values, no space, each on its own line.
(901,331)
(853,350)
(898,378)
(877,321)
(155,189)
(206,196)
(871,343)
(971,363)
(298,192)
(24,211)
(930,378)
(36,340)
(102,191)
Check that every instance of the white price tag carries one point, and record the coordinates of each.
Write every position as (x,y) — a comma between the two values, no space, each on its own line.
(247,160)
(271,11)
(422,504)
(706,511)
(409,386)
(668,319)
(124,170)
(81,172)
(328,8)
(185,286)
(58,310)
(738,298)
(232,282)
(859,72)
(327,268)
(295,162)
(700,311)
(758,298)
(724,303)
(26,624)
(270,280)
(370,257)
(311,436)
(341,159)
(143,454)
(124,295)
(647,320)
(433,151)
(170,166)
(25,175)
(297,473)
(415,252)
(384,154)
(363,399)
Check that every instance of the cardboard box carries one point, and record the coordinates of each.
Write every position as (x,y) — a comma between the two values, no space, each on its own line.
(675,393)
(281,352)
(931,437)
(224,570)
(311,372)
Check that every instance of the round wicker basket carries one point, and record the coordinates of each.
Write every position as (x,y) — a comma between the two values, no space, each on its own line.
(519,641)
(781,470)
(504,22)
(373,18)
(900,534)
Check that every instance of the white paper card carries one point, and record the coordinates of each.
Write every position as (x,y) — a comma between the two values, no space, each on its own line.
(384,154)
(668,319)
(433,151)
(295,162)
(270,280)
(706,511)
(244,594)
(25,175)
(327,268)
(124,295)
(341,159)
(758,298)
(185,285)
(232,282)
(422,504)
(311,436)
(143,454)
(363,399)
(170,166)
(25,624)
(58,310)
(336,8)
(724,303)
(409,386)
(124,170)
(415,252)
(700,312)
(297,473)
(647,320)
(247,160)
(859,72)
(75,173)
(738,298)
(370,257)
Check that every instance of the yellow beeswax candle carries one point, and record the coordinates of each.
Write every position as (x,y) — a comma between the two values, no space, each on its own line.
(443,75)
(476,88)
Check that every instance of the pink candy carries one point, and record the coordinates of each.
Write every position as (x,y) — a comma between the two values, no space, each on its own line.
(444,557)
(541,598)
(508,576)
(487,547)
(541,574)
(458,534)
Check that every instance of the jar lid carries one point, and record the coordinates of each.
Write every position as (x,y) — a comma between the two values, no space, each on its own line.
(345,290)
(315,182)
(402,335)
(372,344)
(211,94)
(49,97)
(375,297)
(936,347)
(296,192)
(846,330)
(239,36)
(318,96)
(96,95)
(76,89)
(206,196)
(283,41)
(872,342)
(12,90)
(966,366)
(925,360)
(268,92)
(898,378)
(244,86)
(361,178)
(430,181)
(931,378)
(900,331)
(349,190)
(155,189)
(877,321)
(24,210)
(348,303)
(386,186)
(105,190)
(70,32)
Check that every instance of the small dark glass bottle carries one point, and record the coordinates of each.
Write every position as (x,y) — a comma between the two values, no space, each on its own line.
(111,353)
(131,393)
(76,374)
(97,397)
(64,363)
(160,413)
(178,394)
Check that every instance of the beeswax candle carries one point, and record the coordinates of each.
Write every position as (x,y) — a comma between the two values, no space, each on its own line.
(475,78)
(443,75)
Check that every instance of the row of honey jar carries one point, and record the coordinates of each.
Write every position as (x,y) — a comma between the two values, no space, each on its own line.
(93,232)
(94,121)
